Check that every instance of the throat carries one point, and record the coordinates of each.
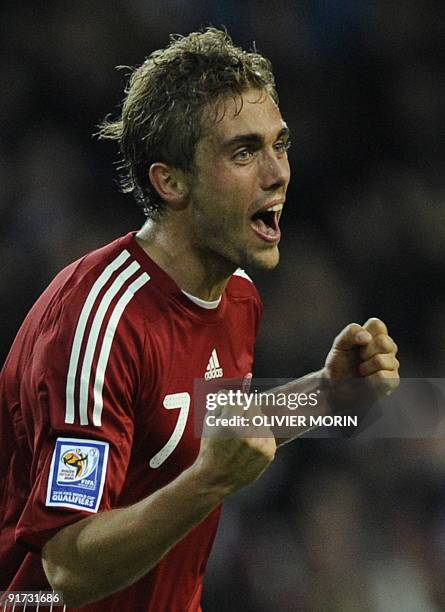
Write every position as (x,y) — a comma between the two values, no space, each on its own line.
(197,273)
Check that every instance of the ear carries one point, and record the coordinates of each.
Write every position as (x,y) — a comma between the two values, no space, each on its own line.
(170,183)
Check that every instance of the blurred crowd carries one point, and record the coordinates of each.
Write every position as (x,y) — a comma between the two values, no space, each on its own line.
(335,525)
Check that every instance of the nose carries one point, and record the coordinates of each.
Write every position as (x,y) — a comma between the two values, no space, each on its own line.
(275,171)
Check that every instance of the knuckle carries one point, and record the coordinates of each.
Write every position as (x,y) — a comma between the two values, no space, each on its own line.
(267,448)
(351,326)
(377,325)
(379,361)
(271,455)
(268,455)
(384,342)
(381,375)
(350,330)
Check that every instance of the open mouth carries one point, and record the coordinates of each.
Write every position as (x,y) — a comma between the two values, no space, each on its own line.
(265,223)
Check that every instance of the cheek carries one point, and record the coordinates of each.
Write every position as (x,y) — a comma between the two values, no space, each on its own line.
(240,189)
(214,187)
(227,194)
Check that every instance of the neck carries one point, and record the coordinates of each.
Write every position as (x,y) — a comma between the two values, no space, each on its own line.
(200,273)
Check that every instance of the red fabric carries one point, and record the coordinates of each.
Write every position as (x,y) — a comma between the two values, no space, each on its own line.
(162,342)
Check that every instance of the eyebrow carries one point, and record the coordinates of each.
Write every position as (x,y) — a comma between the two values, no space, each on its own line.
(252,138)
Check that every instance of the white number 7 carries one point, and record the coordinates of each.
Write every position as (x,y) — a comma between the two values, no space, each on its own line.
(172,402)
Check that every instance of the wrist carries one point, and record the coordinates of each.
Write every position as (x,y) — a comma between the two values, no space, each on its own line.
(324,374)
(206,483)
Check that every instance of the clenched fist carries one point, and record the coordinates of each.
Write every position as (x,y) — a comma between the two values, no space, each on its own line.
(366,351)
(232,457)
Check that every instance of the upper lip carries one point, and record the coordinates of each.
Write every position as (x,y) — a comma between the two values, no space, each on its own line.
(278,203)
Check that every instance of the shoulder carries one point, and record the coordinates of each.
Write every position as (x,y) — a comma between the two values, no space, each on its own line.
(105,280)
(110,268)
(241,285)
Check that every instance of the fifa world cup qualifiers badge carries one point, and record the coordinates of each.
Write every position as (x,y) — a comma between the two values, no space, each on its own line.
(77,474)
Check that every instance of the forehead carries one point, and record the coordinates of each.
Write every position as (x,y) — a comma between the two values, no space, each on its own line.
(254,112)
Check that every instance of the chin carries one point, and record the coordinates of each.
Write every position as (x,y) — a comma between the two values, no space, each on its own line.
(266,260)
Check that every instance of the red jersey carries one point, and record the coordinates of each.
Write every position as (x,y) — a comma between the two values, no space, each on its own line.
(96,411)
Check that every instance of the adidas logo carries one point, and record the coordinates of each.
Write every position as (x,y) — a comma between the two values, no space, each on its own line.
(214,370)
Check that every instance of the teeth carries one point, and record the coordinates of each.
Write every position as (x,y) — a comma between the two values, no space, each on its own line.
(275,208)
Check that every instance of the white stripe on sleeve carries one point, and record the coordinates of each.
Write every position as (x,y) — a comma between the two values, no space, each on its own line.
(94,334)
(80,330)
(107,341)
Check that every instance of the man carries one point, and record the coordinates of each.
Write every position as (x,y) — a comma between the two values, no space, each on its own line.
(108,495)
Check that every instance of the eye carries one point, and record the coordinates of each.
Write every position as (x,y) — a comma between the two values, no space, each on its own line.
(282,146)
(244,155)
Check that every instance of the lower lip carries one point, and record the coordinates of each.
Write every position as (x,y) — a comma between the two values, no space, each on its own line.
(270,238)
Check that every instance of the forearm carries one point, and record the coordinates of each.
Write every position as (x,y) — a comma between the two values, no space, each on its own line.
(352,396)
(120,546)
(307,386)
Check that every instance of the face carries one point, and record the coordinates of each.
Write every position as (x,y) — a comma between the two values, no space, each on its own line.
(239,185)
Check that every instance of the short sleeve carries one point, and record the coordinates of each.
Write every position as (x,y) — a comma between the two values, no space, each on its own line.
(77,395)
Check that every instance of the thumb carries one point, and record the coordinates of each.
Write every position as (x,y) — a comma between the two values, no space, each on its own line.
(351,336)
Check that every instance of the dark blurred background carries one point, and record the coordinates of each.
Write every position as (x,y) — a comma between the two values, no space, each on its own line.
(334,525)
